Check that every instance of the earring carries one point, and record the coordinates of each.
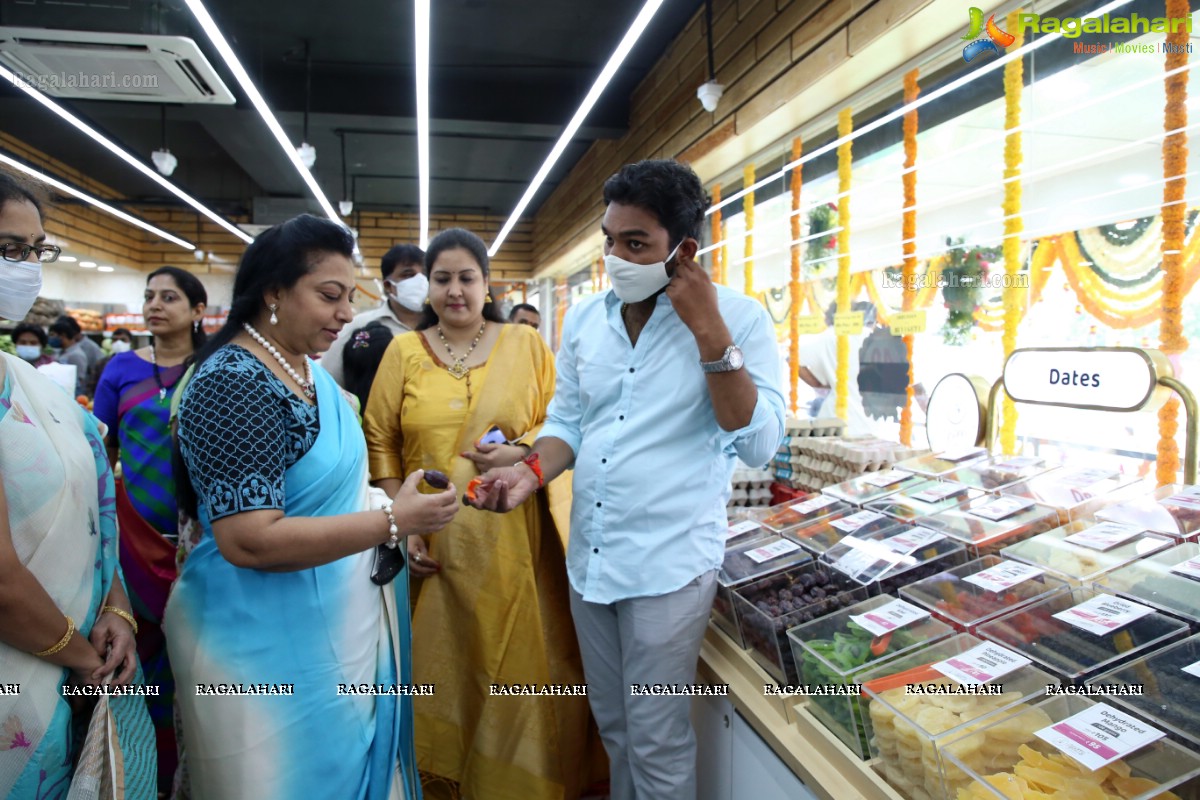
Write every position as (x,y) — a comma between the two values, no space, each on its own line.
(197,326)
(488,299)
(274,318)
(426,301)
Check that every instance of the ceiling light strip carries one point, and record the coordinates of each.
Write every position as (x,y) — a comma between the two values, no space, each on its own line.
(243,78)
(116,150)
(610,69)
(422,71)
(87,198)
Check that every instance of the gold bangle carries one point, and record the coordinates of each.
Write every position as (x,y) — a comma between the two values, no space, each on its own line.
(123,614)
(62,643)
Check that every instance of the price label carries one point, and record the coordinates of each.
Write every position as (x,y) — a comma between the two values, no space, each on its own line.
(890,617)
(741,528)
(855,521)
(813,323)
(1019,462)
(848,323)
(775,550)
(1084,478)
(1104,536)
(902,323)
(1192,669)
(911,540)
(855,560)
(1186,499)
(1103,614)
(1099,735)
(813,504)
(885,479)
(981,664)
(939,492)
(1003,576)
(961,454)
(1001,507)
(1190,568)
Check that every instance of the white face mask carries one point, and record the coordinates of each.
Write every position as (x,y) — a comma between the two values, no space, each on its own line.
(119,346)
(632,282)
(29,352)
(411,292)
(19,287)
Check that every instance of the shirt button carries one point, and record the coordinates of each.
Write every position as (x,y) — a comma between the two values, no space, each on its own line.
(595,549)
(604,461)
(621,417)
(598,505)
(631,369)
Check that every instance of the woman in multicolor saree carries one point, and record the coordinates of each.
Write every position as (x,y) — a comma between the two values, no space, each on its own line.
(62,606)
(133,398)
(277,598)
(492,606)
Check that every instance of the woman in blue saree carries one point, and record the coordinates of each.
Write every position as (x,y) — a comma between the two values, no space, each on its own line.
(277,599)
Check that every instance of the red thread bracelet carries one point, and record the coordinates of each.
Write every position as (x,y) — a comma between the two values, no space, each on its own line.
(533,461)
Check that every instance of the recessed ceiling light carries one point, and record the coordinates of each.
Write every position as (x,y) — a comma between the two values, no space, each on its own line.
(1133,179)
(104,269)
(87,264)
(68,259)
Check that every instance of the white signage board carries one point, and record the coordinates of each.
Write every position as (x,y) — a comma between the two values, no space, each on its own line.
(1109,379)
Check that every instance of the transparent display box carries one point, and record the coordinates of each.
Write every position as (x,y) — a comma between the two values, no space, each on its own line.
(1168,581)
(935,465)
(1076,650)
(797,512)
(924,500)
(910,725)
(887,559)
(873,486)
(743,528)
(1079,492)
(1170,684)
(835,650)
(1082,551)
(989,523)
(982,590)
(1172,510)
(1005,759)
(767,608)
(744,564)
(995,473)
(818,537)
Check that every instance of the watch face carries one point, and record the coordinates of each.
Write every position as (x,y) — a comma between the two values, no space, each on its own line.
(735,358)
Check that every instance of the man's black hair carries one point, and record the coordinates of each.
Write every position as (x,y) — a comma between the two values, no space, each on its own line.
(401,254)
(667,189)
(66,326)
(522,307)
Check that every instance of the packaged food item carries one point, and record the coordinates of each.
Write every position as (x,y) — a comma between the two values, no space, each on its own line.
(1078,492)
(1082,551)
(936,465)
(988,523)
(981,590)
(747,562)
(924,500)
(1078,634)
(887,559)
(767,608)
(818,537)
(995,473)
(872,486)
(834,650)
(794,513)
(1172,510)
(1169,581)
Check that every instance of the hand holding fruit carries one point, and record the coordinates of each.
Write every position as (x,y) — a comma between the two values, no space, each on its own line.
(419,513)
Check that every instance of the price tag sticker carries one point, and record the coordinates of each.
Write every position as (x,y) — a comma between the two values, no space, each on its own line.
(1099,735)
(981,664)
(1105,535)
(939,492)
(890,617)
(1019,462)
(1002,507)
(888,478)
(741,529)
(855,521)
(962,454)
(813,504)
(911,540)
(1003,576)
(813,323)
(1103,614)
(1185,499)
(902,323)
(1190,568)
(770,551)
(1192,669)
(1085,477)
(855,560)
(848,323)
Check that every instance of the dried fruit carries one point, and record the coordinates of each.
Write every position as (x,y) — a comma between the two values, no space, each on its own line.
(437,480)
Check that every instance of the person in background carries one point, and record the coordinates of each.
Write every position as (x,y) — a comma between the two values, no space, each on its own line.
(818,368)
(525,314)
(133,398)
(64,616)
(492,605)
(663,383)
(67,337)
(30,342)
(122,341)
(405,288)
(360,362)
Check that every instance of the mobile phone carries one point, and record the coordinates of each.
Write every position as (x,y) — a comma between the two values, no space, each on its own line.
(493,436)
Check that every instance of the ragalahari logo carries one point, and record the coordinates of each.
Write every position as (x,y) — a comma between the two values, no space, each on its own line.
(996,40)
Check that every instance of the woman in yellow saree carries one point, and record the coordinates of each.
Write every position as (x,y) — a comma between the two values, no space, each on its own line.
(492,607)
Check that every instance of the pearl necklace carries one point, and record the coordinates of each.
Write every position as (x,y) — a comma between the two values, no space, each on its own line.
(305,383)
(459,369)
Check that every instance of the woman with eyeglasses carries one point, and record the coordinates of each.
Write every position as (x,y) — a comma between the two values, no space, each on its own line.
(65,619)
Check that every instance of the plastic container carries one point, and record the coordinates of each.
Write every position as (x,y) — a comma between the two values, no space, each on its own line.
(924,500)
(1168,581)
(989,523)
(743,528)
(1061,552)
(982,590)
(909,728)
(1173,510)
(1170,683)
(936,465)
(995,473)
(834,651)
(794,513)
(747,563)
(1005,759)
(1075,653)
(873,486)
(1079,492)
(767,608)
(887,559)
(819,536)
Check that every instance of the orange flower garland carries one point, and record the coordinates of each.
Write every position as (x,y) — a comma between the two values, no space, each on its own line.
(748,206)
(794,312)
(718,269)
(908,230)
(1014,85)
(842,382)
(1175,154)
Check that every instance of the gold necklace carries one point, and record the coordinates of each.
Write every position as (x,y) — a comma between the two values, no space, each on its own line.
(459,369)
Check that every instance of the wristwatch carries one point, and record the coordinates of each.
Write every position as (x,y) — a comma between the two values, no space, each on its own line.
(731,361)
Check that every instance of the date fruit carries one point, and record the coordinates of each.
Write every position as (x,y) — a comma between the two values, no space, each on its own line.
(437,480)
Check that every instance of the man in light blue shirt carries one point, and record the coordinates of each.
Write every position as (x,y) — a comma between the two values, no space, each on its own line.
(663,382)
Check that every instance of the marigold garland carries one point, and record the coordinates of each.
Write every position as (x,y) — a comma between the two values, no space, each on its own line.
(794,313)
(842,383)
(718,269)
(1014,84)
(1175,155)
(908,230)
(748,205)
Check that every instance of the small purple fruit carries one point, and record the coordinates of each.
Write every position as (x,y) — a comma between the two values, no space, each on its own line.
(437,480)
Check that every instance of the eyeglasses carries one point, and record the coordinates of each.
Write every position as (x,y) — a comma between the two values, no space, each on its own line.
(17,253)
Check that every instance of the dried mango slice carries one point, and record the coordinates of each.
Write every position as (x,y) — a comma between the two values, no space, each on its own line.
(1132,787)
